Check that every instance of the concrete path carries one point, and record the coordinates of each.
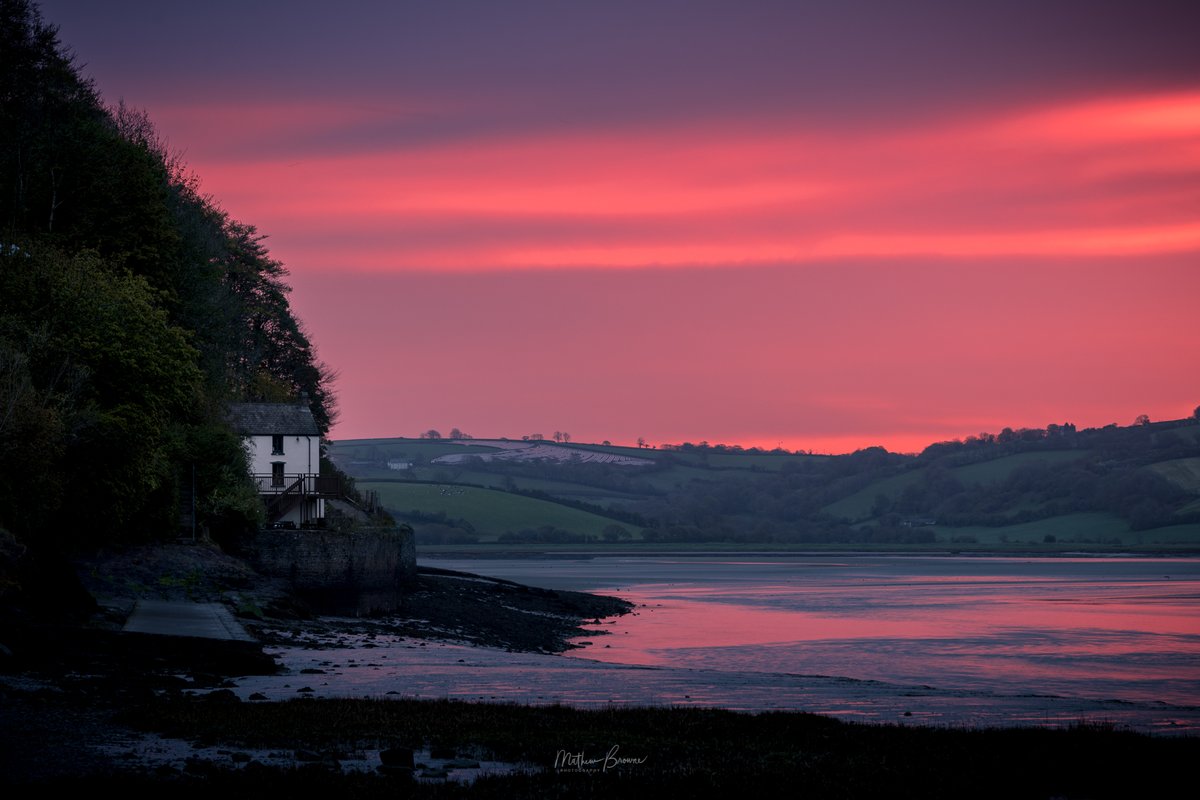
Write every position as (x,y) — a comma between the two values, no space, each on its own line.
(181,618)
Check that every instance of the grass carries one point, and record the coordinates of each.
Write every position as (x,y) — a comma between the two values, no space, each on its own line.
(858,505)
(998,469)
(490,512)
(495,480)
(767,462)
(686,752)
(1068,528)
(402,449)
(616,449)
(1172,534)
(1179,546)
(1183,472)
(679,474)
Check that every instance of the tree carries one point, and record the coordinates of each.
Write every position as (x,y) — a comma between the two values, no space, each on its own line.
(613,533)
(116,385)
(566,437)
(455,433)
(558,436)
(1142,419)
(641,441)
(132,309)
(432,433)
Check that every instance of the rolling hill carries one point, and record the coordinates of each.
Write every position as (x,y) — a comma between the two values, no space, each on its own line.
(1056,488)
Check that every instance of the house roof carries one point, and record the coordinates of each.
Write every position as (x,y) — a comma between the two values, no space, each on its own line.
(261,419)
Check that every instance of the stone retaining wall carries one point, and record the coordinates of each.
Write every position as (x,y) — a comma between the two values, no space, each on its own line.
(358,572)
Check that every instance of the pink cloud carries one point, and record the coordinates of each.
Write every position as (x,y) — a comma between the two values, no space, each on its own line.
(834,356)
(1093,179)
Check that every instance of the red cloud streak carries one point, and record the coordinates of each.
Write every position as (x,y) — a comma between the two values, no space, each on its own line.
(823,289)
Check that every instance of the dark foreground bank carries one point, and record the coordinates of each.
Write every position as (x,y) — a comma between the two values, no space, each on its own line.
(376,748)
(87,707)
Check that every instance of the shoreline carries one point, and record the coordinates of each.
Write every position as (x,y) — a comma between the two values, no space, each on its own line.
(486,551)
(191,745)
(380,666)
(85,718)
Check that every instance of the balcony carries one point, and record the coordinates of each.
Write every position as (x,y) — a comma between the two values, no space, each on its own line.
(326,486)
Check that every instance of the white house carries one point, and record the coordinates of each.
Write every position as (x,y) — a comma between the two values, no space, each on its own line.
(283,446)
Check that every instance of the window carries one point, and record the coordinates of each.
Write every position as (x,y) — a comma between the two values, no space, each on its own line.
(277,444)
(276,473)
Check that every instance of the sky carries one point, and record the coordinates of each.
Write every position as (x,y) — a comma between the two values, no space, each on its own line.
(808,224)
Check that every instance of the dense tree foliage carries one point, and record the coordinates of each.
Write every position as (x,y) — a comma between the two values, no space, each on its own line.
(132,310)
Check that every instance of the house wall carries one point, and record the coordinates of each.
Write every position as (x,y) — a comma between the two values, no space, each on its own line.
(301,454)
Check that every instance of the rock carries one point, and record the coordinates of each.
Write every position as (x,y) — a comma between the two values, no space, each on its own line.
(205,679)
(199,766)
(222,696)
(258,696)
(399,772)
(397,757)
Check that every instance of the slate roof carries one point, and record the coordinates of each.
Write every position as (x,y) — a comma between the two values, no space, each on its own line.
(262,419)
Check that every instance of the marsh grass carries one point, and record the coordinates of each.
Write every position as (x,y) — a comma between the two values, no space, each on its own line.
(686,751)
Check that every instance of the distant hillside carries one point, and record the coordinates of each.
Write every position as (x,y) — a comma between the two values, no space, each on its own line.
(1055,488)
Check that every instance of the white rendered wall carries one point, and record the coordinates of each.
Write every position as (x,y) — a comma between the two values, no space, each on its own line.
(301,455)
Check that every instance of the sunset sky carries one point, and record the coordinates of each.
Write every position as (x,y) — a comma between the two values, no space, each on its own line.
(821,225)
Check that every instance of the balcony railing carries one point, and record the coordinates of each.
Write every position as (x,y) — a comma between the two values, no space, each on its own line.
(298,483)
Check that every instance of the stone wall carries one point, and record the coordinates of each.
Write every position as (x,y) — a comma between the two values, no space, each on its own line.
(360,572)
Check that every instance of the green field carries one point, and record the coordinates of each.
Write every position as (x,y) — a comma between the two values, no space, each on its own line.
(493,480)
(1068,528)
(1191,508)
(490,512)
(1183,472)
(616,449)
(711,497)
(1171,534)
(677,475)
(402,449)
(858,505)
(998,469)
(745,461)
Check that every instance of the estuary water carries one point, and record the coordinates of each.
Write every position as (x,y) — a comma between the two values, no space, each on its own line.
(945,640)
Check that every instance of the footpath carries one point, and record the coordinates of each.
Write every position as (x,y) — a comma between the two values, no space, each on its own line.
(182,618)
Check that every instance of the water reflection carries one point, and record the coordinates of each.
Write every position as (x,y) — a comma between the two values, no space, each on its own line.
(1112,628)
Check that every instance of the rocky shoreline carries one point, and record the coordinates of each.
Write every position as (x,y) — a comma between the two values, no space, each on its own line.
(67,676)
(85,706)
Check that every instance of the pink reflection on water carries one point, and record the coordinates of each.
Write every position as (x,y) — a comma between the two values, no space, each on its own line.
(661,624)
(1121,638)
(1105,629)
